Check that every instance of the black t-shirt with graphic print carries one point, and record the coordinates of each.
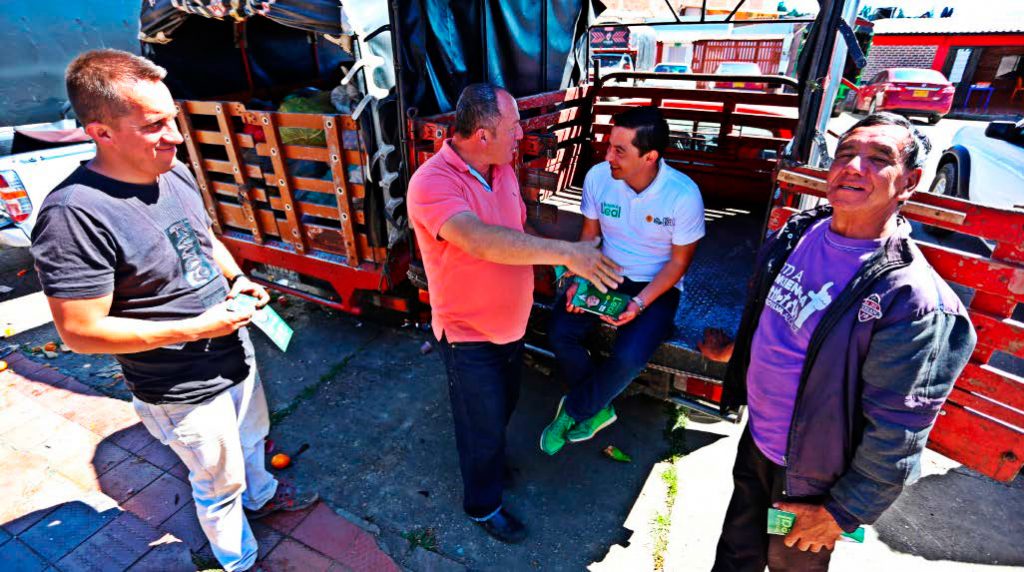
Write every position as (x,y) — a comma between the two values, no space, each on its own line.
(149,246)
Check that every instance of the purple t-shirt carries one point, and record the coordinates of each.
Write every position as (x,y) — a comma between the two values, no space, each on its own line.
(820,266)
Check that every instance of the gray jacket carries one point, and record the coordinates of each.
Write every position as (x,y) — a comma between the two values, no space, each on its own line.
(879,366)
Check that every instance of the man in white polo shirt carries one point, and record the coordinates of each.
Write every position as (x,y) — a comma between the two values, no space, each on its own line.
(650,217)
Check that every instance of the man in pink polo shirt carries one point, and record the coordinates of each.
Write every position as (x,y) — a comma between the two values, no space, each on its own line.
(470,220)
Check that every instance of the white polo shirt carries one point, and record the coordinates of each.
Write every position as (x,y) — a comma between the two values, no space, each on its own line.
(639,229)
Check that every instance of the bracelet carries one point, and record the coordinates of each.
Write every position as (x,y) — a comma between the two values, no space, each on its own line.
(640,302)
(236,278)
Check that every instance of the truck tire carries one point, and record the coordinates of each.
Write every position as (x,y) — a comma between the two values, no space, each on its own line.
(944,183)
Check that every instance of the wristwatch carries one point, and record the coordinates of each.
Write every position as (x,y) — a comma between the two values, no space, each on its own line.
(639,302)
(236,278)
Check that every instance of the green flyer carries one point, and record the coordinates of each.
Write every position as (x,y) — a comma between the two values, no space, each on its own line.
(780,522)
(265,319)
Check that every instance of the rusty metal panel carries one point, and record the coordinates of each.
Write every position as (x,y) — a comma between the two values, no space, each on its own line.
(983,443)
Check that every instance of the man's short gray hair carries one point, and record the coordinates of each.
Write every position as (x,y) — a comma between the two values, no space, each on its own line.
(915,153)
(95,82)
(477,108)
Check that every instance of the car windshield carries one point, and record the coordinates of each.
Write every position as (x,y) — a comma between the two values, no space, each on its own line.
(663,68)
(739,68)
(921,75)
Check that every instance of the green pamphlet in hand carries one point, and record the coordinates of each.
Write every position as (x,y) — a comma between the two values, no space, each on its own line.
(265,319)
(590,299)
(780,522)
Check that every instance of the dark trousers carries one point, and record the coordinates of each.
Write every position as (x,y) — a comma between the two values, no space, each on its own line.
(483,385)
(744,544)
(593,386)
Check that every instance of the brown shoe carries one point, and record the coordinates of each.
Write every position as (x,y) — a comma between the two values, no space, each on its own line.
(287,498)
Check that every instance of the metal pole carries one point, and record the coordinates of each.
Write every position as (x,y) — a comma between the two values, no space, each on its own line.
(673,10)
(403,136)
(544,45)
(824,49)
(734,10)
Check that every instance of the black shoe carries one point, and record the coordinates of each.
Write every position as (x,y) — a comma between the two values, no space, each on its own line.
(504,527)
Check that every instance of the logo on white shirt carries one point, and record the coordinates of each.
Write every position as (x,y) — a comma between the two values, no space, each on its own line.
(661,221)
(608,209)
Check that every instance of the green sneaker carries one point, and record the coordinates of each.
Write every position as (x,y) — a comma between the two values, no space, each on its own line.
(586,429)
(553,438)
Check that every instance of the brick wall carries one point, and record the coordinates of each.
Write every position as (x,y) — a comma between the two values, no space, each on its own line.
(882,57)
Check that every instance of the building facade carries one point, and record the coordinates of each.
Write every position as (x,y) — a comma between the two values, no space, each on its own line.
(983,59)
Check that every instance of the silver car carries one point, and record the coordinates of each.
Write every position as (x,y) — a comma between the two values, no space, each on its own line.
(984,165)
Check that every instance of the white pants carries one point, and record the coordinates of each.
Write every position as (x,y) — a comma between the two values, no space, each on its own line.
(221,443)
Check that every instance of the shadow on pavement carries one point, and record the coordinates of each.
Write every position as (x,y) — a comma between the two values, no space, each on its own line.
(382,445)
(62,506)
(960,516)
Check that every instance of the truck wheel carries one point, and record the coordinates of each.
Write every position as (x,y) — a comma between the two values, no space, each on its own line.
(944,183)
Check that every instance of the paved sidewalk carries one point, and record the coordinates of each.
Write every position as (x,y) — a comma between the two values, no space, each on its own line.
(85,487)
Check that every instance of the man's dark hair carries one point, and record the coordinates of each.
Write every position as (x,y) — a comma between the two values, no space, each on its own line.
(650,125)
(96,80)
(915,153)
(477,108)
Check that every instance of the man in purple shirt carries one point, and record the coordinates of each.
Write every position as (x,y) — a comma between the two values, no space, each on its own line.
(848,347)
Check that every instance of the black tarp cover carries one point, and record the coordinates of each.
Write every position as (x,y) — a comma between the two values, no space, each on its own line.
(160,18)
(526,46)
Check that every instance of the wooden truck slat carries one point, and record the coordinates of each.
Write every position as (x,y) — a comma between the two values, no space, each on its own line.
(339,163)
(271,207)
(290,226)
(185,125)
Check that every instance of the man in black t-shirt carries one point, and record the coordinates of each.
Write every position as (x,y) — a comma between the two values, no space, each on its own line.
(130,267)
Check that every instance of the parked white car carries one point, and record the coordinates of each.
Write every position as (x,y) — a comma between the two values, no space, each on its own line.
(984,165)
(25,180)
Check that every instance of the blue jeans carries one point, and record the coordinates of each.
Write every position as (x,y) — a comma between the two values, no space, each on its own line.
(483,384)
(593,386)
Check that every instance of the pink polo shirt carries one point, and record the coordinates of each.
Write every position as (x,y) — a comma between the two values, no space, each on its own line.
(472,300)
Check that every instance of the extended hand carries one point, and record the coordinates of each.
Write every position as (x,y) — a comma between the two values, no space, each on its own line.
(220,321)
(586,260)
(245,286)
(716,345)
(814,528)
(627,315)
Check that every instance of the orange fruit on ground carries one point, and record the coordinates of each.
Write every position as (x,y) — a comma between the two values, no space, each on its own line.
(50,347)
(280,461)
(3,365)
